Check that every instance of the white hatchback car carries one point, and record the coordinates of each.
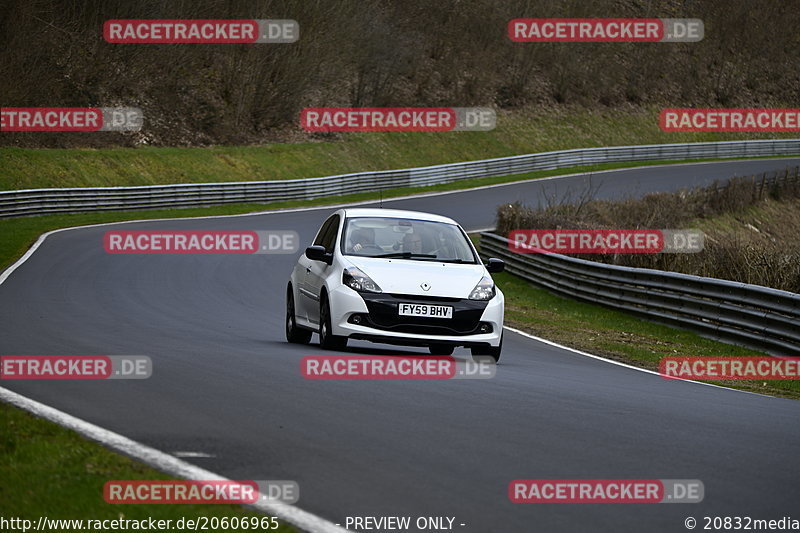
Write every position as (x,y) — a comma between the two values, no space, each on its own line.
(395,277)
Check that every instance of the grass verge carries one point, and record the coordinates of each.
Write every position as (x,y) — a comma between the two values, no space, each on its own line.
(49,470)
(616,335)
(519,132)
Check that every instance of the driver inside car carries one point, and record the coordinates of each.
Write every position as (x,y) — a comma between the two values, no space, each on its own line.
(412,242)
(362,238)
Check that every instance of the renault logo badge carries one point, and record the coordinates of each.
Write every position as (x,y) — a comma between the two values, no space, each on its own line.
(425,287)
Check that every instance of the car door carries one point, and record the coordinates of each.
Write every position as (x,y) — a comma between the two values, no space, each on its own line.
(317,270)
(305,300)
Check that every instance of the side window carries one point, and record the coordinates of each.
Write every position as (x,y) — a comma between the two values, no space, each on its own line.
(327,233)
(320,238)
(329,238)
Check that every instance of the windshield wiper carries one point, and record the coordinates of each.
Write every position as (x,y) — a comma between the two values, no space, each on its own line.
(412,255)
(406,255)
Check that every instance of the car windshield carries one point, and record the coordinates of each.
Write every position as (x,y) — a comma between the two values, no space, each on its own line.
(406,238)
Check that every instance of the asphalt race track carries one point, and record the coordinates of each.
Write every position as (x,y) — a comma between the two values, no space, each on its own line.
(225,383)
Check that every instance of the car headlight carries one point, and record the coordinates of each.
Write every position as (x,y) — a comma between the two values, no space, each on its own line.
(484,290)
(358,281)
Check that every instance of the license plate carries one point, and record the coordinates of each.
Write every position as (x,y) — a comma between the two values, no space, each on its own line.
(432,311)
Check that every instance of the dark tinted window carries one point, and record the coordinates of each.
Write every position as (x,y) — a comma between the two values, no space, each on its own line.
(327,233)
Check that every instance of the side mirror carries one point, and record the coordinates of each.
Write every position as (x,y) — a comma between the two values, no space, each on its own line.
(495,265)
(318,253)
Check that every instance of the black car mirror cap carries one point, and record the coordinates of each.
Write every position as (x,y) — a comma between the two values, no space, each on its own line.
(318,253)
(495,265)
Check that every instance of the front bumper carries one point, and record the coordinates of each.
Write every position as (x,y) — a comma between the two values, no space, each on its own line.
(380,321)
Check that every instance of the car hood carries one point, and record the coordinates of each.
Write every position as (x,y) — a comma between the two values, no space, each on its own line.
(403,276)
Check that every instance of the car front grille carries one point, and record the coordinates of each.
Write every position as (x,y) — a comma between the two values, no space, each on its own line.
(383,315)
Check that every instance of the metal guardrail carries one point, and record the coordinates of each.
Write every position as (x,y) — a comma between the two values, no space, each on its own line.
(45,201)
(749,315)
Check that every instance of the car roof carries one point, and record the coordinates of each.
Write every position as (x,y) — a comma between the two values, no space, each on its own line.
(396,213)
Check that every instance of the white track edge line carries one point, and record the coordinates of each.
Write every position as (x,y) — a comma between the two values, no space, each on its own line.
(618,363)
(163,461)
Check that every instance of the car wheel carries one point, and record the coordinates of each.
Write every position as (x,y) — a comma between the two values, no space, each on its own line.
(328,340)
(441,349)
(485,352)
(294,333)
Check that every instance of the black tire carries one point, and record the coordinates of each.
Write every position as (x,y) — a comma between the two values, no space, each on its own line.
(294,334)
(488,351)
(327,340)
(441,349)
